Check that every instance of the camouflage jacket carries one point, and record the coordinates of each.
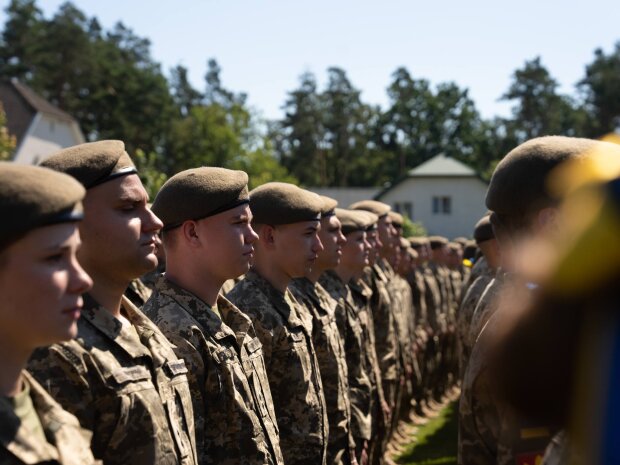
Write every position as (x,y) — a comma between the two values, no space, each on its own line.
(486,306)
(490,430)
(125,384)
(292,368)
(233,410)
(67,443)
(360,386)
(435,318)
(138,292)
(330,353)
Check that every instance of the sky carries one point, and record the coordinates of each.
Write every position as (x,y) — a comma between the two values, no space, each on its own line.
(263,46)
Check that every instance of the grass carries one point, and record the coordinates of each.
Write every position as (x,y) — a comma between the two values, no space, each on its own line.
(436,442)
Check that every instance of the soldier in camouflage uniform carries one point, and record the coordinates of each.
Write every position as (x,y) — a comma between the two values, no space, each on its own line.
(38,242)
(287,220)
(120,376)
(322,312)
(208,239)
(490,430)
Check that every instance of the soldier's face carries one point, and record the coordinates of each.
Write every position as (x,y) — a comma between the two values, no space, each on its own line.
(118,231)
(41,283)
(297,246)
(355,252)
(332,239)
(375,245)
(227,242)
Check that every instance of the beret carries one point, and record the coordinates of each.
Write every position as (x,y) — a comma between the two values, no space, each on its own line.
(276,203)
(417,241)
(413,254)
(378,208)
(198,193)
(32,196)
(371,219)
(328,206)
(519,183)
(470,250)
(461,240)
(455,247)
(437,242)
(93,163)
(404,243)
(397,219)
(483,231)
(352,220)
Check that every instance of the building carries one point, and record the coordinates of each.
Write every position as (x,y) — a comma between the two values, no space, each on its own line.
(446,196)
(39,127)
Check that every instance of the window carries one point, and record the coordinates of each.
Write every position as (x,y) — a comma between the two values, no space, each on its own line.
(404,208)
(442,205)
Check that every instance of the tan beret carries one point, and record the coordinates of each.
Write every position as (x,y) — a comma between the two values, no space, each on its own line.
(371,219)
(276,203)
(461,240)
(437,242)
(483,231)
(397,219)
(378,208)
(417,241)
(412,253)
(404,243)
(198,193)
(32,196)
(92,163)
(328,206)
(352,220)
(518,184)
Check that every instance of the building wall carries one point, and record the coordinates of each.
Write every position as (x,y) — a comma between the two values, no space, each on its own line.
(467,195)
(46,136)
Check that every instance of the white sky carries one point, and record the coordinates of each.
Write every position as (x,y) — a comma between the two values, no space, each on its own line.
(264,45)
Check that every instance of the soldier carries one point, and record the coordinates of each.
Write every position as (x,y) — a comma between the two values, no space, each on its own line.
(491,431)
(120,376)
(38,242)
(353,259)
(287,220)
(208,239)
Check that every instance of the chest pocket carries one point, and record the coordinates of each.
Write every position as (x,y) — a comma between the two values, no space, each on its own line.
(257,376)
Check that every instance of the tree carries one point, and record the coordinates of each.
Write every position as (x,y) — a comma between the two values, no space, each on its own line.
(185,96)
(7,141)
(601,88)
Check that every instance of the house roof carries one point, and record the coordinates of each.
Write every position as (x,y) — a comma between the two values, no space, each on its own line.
(38,103)
(441,165)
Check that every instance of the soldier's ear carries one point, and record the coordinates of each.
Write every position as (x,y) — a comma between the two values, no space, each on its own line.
(266,234)
(189,231)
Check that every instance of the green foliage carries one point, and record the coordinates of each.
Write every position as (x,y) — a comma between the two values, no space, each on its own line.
(152,177)
(413,228)
(7,141)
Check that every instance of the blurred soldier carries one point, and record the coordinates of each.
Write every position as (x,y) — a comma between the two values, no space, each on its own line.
(208,239)
(287,220)
(38,243)
(323,310)
(120,376)
(490,431)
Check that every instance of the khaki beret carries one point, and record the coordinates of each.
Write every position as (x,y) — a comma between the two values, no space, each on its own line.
(92,163)
(461,240)
(483,231)
(371,219)
(198,193)
(397,219)
(328,206)
(277,203)
(437,242)
(413,254)
(417,241)
(32,196)
(404,243)
(378,208)
(519,183)
(352,220)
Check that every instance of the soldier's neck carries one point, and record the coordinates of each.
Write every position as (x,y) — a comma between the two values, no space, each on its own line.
(344,273)
(314,274)
(108,294)
(199,281)
(272,273)
(13,362)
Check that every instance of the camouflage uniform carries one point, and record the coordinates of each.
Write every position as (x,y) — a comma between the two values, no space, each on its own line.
(557,452)
(490,431)
(465,315)
(292,369)
(350,325)
(233,410)
(66,442)
(487,305)
(138,292)
(125,384)
(330,353)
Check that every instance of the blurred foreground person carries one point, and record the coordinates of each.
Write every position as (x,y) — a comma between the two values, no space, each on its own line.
(119,376)
(490,430)
(569,338)
(208,239)
(287,220)
(40,210)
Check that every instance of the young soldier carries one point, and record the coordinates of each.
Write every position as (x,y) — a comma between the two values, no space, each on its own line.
(323,311)
(120,376)
(353,260)
(287,220)
(208,239)
(38,242)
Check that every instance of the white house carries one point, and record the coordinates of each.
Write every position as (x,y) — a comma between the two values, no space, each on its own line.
(443,194)
(39,127)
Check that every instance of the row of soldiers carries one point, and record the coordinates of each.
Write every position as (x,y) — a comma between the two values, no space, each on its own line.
(338,332)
